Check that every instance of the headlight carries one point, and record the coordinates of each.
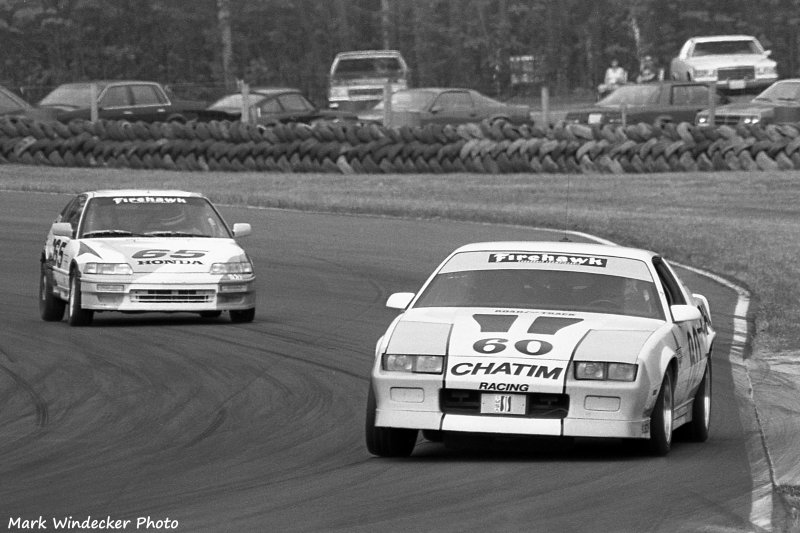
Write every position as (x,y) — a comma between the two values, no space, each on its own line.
(338,92)
(239,267)
(420,364)
(601,371)
(768,70)
(751,120)
(702,119)
(707,73)
(108,268)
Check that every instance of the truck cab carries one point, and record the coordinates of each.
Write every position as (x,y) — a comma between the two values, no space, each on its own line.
(358,78)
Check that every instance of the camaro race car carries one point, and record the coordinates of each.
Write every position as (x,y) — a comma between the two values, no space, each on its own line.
(134,251)
(548,339)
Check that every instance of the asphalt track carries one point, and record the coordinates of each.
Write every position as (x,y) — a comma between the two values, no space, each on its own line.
(259,427)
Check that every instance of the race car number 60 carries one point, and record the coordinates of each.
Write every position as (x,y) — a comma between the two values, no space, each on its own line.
(526,346)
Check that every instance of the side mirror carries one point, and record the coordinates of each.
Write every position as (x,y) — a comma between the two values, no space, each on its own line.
(399,300)
(685,313)
(62,229)
(242,229)
(767,53)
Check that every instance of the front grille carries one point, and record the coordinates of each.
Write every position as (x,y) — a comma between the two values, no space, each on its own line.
(172,296)
(730,120)
(375,93)
(539,405)
(736,73)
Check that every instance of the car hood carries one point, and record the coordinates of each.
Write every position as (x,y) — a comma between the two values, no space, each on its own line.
(556,336)
(172,254)
(746,108)
(744,60)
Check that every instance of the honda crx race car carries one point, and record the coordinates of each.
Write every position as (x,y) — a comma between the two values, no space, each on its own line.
(546,339)
(135,251)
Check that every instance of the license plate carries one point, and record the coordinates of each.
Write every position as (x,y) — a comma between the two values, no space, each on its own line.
(736,84)
(503,404)
(595,118)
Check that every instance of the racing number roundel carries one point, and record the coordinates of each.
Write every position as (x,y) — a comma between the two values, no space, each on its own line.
(531,347)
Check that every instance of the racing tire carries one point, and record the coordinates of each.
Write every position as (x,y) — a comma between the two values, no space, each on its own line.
(698,429)
(661,419)
(243,315)
(387,442)
(51,307)
(77,315)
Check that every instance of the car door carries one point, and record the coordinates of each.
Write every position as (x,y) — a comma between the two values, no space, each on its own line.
(115,103)
(690,353)
(451,107)
(60,253)
(688,100)
(295,107)
(149,103)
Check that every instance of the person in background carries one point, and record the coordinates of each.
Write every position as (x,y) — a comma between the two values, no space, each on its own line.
(615,76)
(648,72)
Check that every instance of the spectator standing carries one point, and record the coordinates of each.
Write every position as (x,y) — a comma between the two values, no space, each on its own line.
(615,76)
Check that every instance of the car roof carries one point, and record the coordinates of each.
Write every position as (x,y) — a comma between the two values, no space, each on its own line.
(107,193)
(558,247)
(713,38)
(105,83)
(272,91)
(367,53)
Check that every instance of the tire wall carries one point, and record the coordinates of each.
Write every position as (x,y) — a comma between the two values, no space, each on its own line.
(498,147)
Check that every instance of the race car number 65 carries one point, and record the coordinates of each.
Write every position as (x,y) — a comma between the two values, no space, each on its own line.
(526,346)
(177,254)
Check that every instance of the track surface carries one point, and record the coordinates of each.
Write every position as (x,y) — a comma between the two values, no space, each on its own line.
(259,427)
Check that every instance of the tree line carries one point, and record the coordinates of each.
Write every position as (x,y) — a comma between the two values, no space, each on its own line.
(201,47)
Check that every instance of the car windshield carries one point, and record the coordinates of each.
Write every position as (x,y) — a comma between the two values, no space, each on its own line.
(165,216)
(77,95)
(234,101)
(717,48)
(410,100)
(10,103)
(369,67)
(632,95)
(785,91)
(543,289)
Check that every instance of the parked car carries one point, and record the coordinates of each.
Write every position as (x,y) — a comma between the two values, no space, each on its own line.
(417,107)
(11,104)
(270,105)
(736,62)
(543,339)
(781,97)
(120,99)
(653,103)
(358,78)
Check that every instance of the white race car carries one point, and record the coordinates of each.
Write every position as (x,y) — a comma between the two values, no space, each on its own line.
(137,250)
(544,338)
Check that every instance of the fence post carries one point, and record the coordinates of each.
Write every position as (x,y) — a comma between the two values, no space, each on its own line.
(624,111)
(546,106)
(712,104)
(245,102)
(94,111)
(387,104)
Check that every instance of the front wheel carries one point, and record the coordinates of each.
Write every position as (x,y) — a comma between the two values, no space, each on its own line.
(77,315)
(387,442)
(51,307)
(244,315)
(661,419)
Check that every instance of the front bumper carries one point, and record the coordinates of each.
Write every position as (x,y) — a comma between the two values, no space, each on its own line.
(169,292)
(595,409)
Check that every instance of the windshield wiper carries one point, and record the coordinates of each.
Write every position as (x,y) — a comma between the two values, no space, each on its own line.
(107,233)
(172,234)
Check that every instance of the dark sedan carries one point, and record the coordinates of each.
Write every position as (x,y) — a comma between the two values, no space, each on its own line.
(117,100)
(780,102)
(417,107)
(271,105)
(653,103)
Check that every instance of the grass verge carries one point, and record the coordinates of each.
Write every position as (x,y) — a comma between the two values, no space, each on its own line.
(742,225)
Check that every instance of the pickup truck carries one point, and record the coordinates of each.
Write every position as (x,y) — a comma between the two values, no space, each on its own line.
(147,101)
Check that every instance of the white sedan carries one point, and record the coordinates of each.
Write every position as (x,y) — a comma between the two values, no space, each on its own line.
(141,250)
(543,338)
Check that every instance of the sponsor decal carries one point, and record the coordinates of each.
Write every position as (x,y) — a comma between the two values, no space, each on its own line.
(556,259)
(149,200)
(169,257)
(550,325)
(504,387)
(506,368)
(495,323)
(84,248)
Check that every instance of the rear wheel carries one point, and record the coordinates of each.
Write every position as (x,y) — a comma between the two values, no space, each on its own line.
(697,430)
(77,315)
(51,307)
(661,419)
(244,315)
(387,442)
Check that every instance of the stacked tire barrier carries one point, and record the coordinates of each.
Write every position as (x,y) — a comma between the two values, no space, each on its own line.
(349,148)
